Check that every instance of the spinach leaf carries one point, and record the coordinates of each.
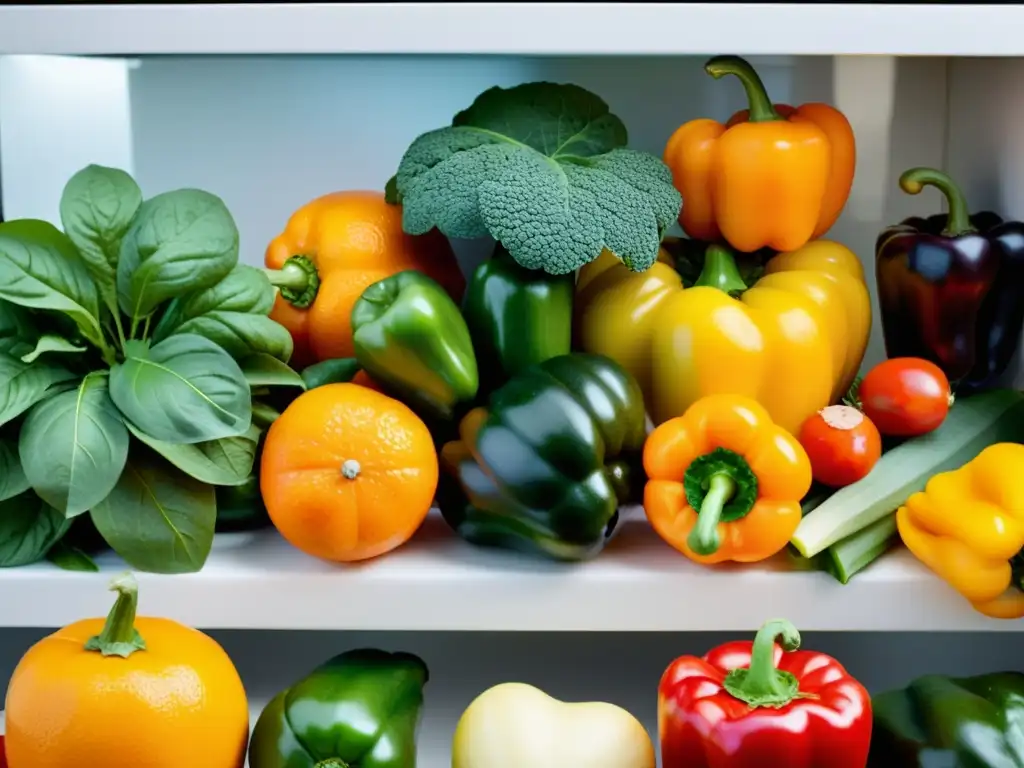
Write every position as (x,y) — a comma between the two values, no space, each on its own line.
(69,558)
(242,335)
(96,209)
(29,527)
(12,477)
(16,328)
(74,446)
(23,385)
(157,518)
(543,169)
(186,389)
(227,461)
(267,371)
(245,289)
(180,241)
(50,343)
(41,269)
(233,314)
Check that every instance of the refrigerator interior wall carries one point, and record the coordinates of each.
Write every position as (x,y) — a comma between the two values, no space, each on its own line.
(269,133)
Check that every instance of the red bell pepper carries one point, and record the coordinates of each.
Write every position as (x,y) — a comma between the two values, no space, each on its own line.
(759,705)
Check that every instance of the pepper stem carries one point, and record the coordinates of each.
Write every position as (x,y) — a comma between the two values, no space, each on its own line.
(704,539)
(959,220)
(119,636)
(762,684)
(761,109)
(331,762)
(298,280)
(720,271)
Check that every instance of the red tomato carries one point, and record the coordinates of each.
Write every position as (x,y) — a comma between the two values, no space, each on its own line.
(842,444)
(905,396)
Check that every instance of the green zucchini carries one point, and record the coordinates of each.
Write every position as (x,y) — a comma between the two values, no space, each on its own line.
(973,424)
(849,556)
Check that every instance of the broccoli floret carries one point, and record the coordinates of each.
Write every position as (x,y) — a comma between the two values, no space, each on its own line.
(542,168)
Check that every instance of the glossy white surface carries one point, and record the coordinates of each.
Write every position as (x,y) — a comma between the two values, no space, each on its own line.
(438,582)
(518,28)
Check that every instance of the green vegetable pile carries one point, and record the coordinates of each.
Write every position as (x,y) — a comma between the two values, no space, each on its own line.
(132,345)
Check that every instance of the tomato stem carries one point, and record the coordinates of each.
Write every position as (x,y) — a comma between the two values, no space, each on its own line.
(119,636)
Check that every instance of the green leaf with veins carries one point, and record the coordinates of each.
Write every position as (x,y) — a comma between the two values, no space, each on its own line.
(543,169)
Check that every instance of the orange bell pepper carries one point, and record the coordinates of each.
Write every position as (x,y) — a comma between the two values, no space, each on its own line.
(724,481)
(330,251)
(774,176)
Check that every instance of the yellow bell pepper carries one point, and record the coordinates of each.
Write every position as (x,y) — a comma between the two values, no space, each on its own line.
(967,526)
(793,341)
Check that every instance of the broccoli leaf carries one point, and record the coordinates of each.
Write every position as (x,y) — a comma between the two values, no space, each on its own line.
(543,169)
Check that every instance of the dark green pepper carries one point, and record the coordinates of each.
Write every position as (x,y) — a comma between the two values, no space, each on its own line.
(517,317)
(554,454)
(240,507)
(409,336)
(944,722)
(359,710)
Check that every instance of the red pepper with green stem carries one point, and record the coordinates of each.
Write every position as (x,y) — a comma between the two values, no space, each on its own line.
(761,705)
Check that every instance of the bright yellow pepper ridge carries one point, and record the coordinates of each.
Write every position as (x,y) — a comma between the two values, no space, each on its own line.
(966,526)
(793,341)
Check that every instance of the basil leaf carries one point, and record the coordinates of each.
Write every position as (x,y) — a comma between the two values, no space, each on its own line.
(157,518)
(179,242)
(74,446)
(227,461)
(29,527)
(96,208)
(186,389)
(267,371)
(12,477)
(23,385)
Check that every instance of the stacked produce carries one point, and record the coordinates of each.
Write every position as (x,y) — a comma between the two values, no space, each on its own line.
(153,389)
(765,702)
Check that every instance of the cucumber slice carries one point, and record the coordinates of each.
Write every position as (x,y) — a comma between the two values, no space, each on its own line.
(973,424)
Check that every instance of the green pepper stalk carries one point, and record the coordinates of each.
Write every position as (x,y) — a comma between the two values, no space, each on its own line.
(722,487)
(410,337)
(298,280)
(959,220)
(720,271)
(761,108)
(762,684)
(119,636)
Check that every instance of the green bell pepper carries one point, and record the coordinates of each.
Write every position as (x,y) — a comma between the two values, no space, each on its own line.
(516,316)
(240,507)
(359,710)
(409,336)
(944,722)
(544,467)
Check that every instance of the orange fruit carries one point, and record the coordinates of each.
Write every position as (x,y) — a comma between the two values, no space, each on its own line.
(355,239)
(177,702)
(348,473)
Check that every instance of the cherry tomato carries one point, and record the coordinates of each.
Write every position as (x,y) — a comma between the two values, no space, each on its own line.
(842,444)
(905,396)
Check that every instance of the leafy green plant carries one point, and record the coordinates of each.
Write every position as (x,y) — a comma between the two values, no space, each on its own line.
(543,169)
(132,345)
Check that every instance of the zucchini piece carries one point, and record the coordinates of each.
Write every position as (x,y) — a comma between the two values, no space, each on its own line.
(973,424)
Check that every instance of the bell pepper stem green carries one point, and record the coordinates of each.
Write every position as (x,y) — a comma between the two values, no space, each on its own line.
(721,487)
(762,684)
(704,539)
(298,281)
(761,109)
(959,219)
(119,637)
(720,271)
(410,337)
